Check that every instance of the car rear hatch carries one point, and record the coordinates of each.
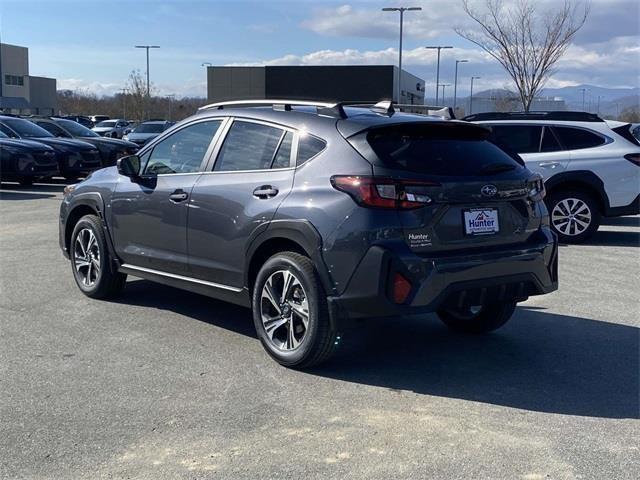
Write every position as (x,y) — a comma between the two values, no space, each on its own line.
(456,189)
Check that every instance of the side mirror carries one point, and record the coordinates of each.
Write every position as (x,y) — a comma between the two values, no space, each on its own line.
(129,166)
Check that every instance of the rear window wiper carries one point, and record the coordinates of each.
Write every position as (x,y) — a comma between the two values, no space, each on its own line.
(497,167)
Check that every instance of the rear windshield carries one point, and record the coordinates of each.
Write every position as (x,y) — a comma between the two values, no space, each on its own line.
(441,151)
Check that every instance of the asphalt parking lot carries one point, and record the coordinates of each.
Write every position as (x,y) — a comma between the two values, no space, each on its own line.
(167,384)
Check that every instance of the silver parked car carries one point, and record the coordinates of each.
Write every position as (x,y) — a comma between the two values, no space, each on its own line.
(114,128)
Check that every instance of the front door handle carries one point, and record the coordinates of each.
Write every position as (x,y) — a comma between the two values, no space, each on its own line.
(178,196)
(265,191)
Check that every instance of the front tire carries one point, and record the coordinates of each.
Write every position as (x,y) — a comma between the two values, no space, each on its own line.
(476,320)
(574,215)
(90,260)
(290,312)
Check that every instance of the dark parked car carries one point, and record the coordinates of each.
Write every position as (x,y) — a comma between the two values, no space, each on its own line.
(82,120)
(75,158)
(317,214)
(110,148)
(25,161)
(147,131)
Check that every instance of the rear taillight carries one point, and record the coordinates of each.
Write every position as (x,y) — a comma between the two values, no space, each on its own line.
(633,158)
(535,188)
(384,192)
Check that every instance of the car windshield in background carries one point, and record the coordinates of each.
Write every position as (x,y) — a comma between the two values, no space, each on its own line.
(107,123)
(75,129)
(150,128)
(439,151)
(26,129)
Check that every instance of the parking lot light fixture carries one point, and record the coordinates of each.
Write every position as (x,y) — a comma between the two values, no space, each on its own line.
(444,85)
(455,83)
(401,10)
(438,47)
(147,47)
(471,96)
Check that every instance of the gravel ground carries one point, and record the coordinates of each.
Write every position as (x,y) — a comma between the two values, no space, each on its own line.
(167,384)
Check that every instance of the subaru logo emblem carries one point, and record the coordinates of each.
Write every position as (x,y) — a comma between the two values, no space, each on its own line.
(489,190)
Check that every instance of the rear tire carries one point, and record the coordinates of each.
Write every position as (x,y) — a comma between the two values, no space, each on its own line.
(574,215)
(91,262)
(290,312)
(490,317)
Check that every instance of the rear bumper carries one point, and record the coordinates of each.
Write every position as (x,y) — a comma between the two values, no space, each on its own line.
(514,273)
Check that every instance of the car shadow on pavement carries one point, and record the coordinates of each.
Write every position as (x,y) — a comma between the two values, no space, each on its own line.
(18,195)
(225,315)
(622,221)
(539,361)
(610,238)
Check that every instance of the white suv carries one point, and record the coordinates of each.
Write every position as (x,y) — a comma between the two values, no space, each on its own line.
(591,169)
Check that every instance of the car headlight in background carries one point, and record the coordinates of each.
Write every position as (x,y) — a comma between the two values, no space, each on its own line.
(69,189)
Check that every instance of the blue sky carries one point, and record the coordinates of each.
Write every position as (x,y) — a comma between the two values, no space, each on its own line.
(88,44)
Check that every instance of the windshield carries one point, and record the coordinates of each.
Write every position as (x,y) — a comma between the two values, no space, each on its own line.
(107,123)
(76,129)
(26,129)
(3,135)
(150,128)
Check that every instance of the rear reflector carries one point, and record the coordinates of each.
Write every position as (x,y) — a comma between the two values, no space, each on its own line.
(401,288)
(383,192)
(633,158)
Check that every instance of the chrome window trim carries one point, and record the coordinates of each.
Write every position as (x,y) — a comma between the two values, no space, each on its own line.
(207,153)
(181,277)
(214,158)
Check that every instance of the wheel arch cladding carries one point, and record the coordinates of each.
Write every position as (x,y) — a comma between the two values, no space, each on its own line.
(585,181)
(83,204)
(287,235)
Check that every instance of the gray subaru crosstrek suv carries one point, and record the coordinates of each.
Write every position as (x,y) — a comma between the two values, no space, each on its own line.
(316,215)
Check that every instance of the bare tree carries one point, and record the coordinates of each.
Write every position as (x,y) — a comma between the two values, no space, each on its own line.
(526,44)
(137,97)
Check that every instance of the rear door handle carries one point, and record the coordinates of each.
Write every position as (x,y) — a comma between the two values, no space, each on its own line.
(265,191)
(549,164)
(178,196)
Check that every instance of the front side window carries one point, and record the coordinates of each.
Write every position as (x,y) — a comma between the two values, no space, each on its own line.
(249,146)
(52,129)
(577,138)
(184,150)
(517,138)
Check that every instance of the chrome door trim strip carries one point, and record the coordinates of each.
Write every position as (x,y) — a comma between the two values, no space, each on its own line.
(181,277)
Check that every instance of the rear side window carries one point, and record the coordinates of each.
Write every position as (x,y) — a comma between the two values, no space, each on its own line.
(549,141)
(248,146)
(518,138)
(440,151)
(309,146)
(283,156)
(576,138)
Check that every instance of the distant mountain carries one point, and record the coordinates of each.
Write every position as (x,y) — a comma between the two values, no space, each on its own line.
(574,94)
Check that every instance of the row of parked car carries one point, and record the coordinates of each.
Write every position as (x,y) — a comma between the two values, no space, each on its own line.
(35,148)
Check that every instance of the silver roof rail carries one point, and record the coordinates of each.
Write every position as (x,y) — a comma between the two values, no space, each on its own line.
(322,108)
(329,109)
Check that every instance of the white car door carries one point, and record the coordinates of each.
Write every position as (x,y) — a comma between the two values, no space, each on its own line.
(536,144)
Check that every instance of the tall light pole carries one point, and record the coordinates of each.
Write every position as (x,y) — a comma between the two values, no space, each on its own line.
(444,85)
(455,83)
(170,97)
(439,47)
(123,92)
(471,96)
(401,10)
(147,47)
(583,90)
